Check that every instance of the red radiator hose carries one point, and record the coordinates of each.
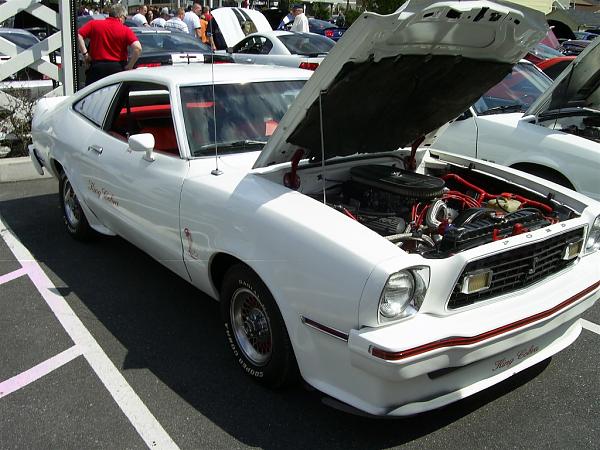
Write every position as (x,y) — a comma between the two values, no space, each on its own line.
(483,195)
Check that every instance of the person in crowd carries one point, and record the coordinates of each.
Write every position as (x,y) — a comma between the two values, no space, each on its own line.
(176,23)
(245,4)
(192,20)
(109,43)
(300,19)
(206,13)
(204,28)
(162,19)
(140,18)
(215,37)
(283,25)
(149,16)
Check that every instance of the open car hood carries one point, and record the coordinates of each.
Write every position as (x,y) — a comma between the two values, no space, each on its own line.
(236,23)
(576,87)
(393,79)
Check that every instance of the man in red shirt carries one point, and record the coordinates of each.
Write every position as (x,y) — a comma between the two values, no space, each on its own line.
(109,41)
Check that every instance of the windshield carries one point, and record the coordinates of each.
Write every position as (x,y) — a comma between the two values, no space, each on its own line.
(170,42)
(515,92)
(22,40)
(306,44)
(543,51)
(246,114)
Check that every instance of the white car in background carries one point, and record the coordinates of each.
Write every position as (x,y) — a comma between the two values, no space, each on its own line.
(237,23)
(394,280)
(282,48)
(549,129)
(27,81)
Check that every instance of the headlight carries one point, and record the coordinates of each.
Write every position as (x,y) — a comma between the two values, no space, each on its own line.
(403,294)
(593,239)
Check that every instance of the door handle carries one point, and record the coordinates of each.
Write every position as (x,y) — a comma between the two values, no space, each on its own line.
(96,148)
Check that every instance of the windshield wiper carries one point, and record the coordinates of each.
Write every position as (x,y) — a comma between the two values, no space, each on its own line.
(504,108)
(227,145)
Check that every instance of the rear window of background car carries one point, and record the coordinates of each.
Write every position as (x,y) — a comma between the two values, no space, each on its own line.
(306,44)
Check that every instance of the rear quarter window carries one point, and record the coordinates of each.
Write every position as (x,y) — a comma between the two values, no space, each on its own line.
(94,106)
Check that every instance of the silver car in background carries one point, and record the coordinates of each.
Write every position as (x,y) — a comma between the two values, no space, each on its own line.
(282,48)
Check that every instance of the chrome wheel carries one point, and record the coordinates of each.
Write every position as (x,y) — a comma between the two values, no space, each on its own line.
(251,326)
(71,205)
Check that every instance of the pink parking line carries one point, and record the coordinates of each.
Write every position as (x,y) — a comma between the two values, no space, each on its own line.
(12,275)
(35,373)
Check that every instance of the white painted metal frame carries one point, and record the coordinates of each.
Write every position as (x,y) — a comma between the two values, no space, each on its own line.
(32,57)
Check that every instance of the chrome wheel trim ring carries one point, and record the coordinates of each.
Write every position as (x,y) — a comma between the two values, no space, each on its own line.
(71,205)
(251,326)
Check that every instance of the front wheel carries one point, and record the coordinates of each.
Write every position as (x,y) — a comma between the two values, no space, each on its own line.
(73,216)
(255,330)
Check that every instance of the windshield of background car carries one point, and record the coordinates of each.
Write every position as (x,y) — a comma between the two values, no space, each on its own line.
(515,92)
(246,114)
(306,44)
(21,40)
(543,51)
(170,42)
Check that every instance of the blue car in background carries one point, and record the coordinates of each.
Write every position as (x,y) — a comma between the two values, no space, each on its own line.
(325,28)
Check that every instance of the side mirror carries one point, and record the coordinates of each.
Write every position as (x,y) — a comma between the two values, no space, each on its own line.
(142,143)
(230,50)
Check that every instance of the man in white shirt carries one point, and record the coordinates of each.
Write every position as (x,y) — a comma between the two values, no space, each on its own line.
(140,17)
(176,23)
(300,19)
(160,21)
(192,20)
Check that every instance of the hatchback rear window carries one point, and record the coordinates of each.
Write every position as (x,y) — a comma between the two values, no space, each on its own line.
(306,44)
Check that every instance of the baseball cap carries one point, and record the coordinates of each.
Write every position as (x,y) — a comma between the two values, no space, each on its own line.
(164,10)
(298,5)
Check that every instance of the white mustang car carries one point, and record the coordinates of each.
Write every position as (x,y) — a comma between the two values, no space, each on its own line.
(556,137)
(395,281)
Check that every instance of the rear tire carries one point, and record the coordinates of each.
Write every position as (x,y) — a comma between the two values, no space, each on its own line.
(75,221)
(255,330)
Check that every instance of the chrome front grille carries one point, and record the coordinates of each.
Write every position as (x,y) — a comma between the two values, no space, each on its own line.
(517,268)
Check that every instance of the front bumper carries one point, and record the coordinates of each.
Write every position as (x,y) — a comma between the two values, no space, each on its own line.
(37,164)
(434,361)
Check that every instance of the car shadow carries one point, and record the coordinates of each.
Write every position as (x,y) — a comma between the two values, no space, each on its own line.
(168,327)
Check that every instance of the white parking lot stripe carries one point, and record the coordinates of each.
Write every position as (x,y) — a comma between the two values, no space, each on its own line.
(12,275)
(132,406)
(590,326)
(37,372)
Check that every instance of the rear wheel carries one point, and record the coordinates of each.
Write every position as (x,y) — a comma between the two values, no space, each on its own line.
(75,220)
(255,330)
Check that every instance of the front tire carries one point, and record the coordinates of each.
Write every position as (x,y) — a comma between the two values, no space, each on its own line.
(255,330)
(75,221)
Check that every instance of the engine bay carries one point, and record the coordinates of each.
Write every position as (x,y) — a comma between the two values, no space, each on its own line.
(437,216)
(585,126)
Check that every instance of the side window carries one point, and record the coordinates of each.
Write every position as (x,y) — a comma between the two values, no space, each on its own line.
(144,108)
(95,105)
(245,46)
(266,45)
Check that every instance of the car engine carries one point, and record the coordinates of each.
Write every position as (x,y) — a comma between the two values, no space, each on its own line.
(436,216)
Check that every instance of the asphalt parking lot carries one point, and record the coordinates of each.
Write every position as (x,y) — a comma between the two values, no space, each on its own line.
(102,347)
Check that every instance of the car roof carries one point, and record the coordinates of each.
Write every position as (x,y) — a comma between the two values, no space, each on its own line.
(151,30)
(204,73)
(16,31)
